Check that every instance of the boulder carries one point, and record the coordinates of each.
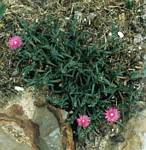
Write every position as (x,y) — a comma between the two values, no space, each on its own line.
(28,122)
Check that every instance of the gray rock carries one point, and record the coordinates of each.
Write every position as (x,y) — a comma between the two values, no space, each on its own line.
(138,39)
(22,109)
(8,142)
(50,136)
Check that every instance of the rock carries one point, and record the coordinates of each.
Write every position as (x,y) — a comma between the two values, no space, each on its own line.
(40,102)
(138,39)
(68,143)
(8,143)
(17,133)
(15,110)
(33,128)
(50,136)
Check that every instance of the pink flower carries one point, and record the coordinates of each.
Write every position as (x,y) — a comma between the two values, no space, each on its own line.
(15,42)
(83,121)
(112,115)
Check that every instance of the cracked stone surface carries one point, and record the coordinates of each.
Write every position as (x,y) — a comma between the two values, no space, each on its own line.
(28,127)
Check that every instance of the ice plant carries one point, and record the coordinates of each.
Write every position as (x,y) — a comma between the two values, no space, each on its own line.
(112,115)
(15,42)
(84,121)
